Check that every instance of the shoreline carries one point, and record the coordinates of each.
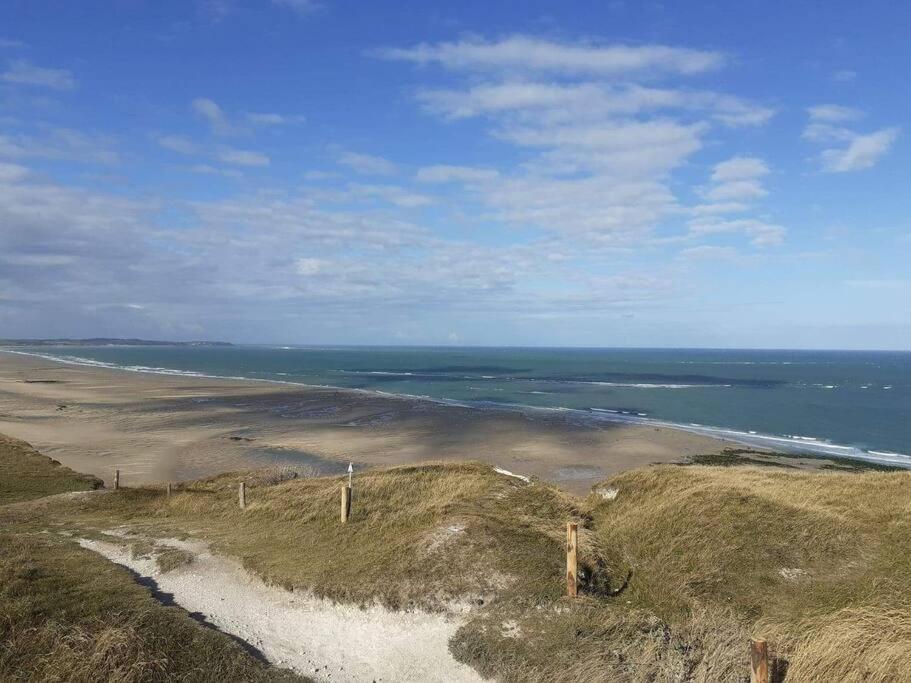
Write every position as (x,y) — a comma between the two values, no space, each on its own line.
(791,444)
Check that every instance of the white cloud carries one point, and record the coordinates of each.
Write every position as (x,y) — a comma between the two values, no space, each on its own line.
(862,152)
(833,113)
(242,157)
(852,151)
(206,169)
(23,72)
(10,43)
(269,119)
(10,173)
(706,252)
(178,143)
(308,267)
(524,53)
(367,164)
(736,191)
(213,114)
(739,168)
(60,143)
(589,100)
(761,234)
(736,181)
(455,174)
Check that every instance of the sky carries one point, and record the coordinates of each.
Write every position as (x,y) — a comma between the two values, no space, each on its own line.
(698,174)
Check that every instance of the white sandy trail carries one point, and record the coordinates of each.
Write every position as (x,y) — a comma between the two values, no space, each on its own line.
(317,638)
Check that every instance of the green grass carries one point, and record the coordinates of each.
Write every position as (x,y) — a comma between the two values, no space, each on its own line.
(26,474)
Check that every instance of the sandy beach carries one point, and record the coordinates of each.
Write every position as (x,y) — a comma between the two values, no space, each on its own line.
(155,428)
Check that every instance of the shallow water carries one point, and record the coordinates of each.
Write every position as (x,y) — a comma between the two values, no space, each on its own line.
(834,402)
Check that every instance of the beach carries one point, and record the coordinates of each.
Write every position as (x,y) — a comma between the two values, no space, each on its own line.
(156,428)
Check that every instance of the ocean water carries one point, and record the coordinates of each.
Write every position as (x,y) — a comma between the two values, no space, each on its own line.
(846,403)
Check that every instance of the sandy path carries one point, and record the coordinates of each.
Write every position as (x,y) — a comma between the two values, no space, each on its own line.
(317,638)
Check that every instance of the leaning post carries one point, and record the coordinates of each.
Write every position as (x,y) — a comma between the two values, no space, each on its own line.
(572,559)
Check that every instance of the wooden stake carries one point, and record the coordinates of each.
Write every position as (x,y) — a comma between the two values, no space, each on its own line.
(759,661)
(242,495)
(169,489)
(572,560)
(116,479)
(346,503)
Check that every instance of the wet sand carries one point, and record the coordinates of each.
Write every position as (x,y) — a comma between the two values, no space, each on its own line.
(155,428)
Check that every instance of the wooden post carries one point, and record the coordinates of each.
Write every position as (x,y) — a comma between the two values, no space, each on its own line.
(242,495)
(169,489)
(346,503)
(759,661)
(572,560)
(116,479)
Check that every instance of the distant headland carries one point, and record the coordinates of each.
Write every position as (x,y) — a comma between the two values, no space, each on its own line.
(106,341)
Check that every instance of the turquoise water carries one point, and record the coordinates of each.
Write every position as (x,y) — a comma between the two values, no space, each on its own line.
(836,402)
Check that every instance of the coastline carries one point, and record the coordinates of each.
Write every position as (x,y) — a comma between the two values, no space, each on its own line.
(158,427)
(790,444)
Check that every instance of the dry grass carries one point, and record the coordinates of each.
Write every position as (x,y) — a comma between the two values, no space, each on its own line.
(68,615)
(816,562)
(26,474)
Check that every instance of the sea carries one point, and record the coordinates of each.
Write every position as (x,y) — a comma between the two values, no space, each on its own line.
(853,404)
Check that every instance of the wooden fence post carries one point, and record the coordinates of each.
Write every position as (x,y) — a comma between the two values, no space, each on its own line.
(759,661)
(242,495)
(572,560)
(346,503)
(169,490)
(116,479)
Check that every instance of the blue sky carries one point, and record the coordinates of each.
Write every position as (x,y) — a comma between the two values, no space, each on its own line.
(481,173)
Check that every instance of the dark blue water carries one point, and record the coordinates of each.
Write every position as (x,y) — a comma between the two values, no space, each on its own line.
(859,400)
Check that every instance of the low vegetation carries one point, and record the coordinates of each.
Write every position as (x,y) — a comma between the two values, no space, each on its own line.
(66,614)
(25,474)
(681,565)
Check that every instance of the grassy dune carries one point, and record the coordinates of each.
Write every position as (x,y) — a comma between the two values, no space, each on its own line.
(67,614)
(25,474)
(681,564)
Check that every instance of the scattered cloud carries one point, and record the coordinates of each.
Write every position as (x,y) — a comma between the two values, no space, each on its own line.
(852,151)
(708,252)
(61,144)
(178,143)
(367,164)
(23,72)
(455,174)
(863,151)
(206,169)
(525,53)
(242,157)
(265,119)
(10,43)
(592,100)
(213,114)
(833,113)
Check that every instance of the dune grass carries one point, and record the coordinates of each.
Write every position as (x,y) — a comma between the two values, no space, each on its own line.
(67,614)
(681,565)
(25,474)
